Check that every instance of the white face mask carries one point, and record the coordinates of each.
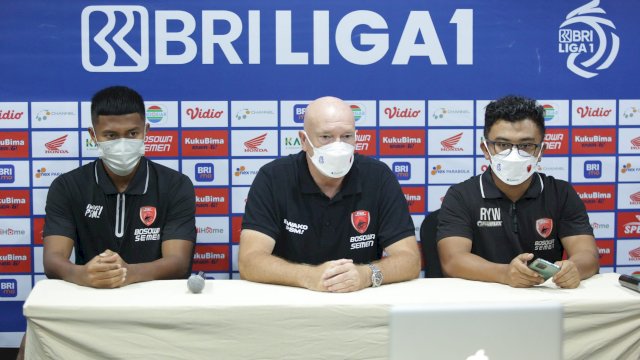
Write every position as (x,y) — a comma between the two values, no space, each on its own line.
(513,169)
(333,160)
(122,155)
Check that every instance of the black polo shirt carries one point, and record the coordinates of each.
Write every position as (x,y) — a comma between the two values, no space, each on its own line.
(84,205)
(501,229)
(368,214)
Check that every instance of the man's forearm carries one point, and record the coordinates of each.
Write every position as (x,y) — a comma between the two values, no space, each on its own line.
(399,267)
(472,267)
(586,262)
(59,267)
(172,267)
(270,269)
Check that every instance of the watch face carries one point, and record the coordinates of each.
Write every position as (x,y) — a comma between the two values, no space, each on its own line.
(376,276)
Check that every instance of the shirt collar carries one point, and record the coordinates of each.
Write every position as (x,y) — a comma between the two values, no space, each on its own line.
(489,190)
(350,183)
(138,185)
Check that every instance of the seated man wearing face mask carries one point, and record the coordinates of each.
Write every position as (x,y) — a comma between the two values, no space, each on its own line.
(129,219)
(493,224)
(321,219)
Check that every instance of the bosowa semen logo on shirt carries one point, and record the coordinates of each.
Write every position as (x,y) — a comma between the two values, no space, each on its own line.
(544,227)
(147,214)
(360,220)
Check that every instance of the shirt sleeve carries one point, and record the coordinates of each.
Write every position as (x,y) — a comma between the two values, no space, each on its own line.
(395,220)
(181,221)
(573,218)
(260,213)
(454,218)
(58,212)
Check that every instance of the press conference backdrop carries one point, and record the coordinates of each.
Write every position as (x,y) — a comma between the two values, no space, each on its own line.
(227,82)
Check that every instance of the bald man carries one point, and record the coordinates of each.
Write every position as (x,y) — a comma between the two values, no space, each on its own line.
(322,219)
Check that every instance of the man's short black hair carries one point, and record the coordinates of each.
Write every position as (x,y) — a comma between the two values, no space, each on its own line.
(116,100)
(513,108)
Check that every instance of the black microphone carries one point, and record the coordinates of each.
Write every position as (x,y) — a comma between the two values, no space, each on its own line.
(630,282)
(196,282)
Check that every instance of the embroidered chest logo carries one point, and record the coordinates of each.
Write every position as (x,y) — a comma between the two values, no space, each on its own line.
(93,211)
(148,214)
(544,227)
(490,217)
(295,228)
(360,220)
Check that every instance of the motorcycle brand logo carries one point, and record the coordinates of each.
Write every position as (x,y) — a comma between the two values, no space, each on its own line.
(93,40)
(450,143)
(148,214)
(575,40)
(252,145)
(54,145)
(544,227)
(360,220)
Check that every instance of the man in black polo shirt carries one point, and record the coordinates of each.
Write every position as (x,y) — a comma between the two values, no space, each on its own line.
(322,218)
(129,219)
(491,225)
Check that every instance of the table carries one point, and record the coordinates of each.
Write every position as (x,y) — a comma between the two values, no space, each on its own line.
(236,319)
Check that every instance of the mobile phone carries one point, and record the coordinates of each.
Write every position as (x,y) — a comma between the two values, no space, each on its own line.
(544,268)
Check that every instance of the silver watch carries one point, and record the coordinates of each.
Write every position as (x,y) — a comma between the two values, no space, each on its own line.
(376,276)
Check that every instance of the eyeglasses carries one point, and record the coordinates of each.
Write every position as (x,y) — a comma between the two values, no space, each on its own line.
(525,149)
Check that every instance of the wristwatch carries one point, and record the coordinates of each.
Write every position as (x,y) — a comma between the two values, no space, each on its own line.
(376,276)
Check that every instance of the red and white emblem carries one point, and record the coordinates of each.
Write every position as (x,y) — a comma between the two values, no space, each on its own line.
(544,227)
(360,220)
(147,214)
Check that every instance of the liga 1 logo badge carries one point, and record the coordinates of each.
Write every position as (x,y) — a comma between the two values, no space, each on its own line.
(360,220)
(148,214)
(544,227)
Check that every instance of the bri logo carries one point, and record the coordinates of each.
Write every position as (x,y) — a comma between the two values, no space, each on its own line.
(8,288)
(593,169)
(402,169)
(98,41)
(204,172)
(7,174)
(298,113)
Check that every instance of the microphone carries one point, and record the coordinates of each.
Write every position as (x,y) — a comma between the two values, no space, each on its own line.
(196,282)
(630,282)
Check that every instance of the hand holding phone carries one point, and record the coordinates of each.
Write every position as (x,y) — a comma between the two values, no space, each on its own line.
(543,267)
